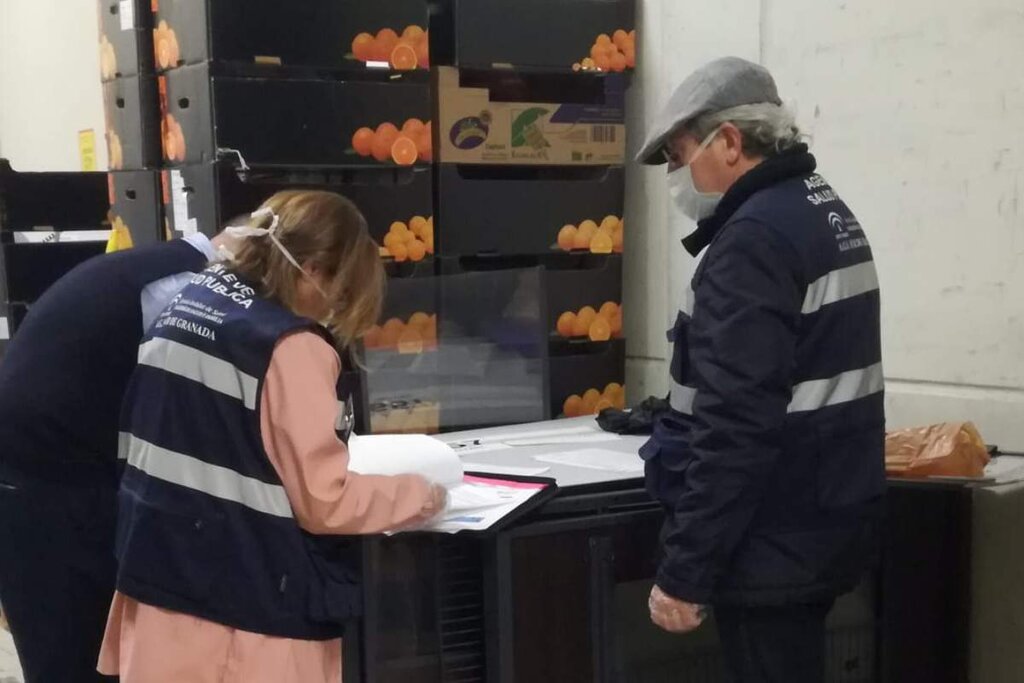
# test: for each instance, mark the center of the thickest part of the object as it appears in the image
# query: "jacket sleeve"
(742, 341)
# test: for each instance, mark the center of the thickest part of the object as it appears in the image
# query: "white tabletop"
(565, 475)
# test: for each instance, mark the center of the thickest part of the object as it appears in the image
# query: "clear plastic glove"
(434, 507)
(674, 615)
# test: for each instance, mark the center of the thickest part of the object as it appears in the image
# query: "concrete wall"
(914, 113)
(49, 83)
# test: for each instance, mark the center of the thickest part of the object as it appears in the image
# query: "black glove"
(639, 420)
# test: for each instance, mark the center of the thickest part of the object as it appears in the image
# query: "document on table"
(597, 459)
(474, 503)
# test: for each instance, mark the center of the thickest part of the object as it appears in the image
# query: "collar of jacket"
(791, 163)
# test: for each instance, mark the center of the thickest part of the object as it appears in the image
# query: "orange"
(403, 151)
(413, 33)
(584, 319)
(371, 339)
(417, 250)
(567, 237)
(410, 341)
(362, 47)
(424, 143)
(566, 324)
(618, 62)
(603, 40)
(620, 38)
(588, 226)
(600, 330)
(403, 57)
(595, 52)
(612, 388)
(390, 333)
(400, 251)
(604, 404)
(608, 309)
(630, 54)
(383, 141)
(418, 225)
(399, 228)
(581, 241)
(573, 406)
(387, 39)
(413, 127)
(610, 222)
(362, 141)
(603, 243)
(620, 400)
(603, 62)
(429, 242)
(423, 54)
(590, 399)
(419, 319)
(617, 243)
(616, 324)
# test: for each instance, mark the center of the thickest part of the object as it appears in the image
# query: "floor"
(10, 670)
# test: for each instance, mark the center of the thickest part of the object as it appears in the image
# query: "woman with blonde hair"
(235, 479)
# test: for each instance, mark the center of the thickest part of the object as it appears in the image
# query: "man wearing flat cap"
(770, 463)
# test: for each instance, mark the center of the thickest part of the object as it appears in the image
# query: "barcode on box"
(603, 134)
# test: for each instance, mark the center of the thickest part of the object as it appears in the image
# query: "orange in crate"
(590, 399)
(403, 151)
(600, 330)
(362, 141)
(573, 406)
(403, 57)
(567, 237)
(615, 53)
(566, 324)
(602, 243)
(363, 46)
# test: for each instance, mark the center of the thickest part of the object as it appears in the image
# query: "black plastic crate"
(305, 121)
(132, 111)
(29, 201)
(543, 34)
(126, 38)
(594, 282)
(30, 268)
(512, 210)
(312, 33)
(204, 197)
(589, 367)
(135, 199)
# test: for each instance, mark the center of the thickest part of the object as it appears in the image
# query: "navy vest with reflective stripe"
(204, 526)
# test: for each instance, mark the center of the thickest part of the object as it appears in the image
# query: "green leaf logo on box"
(526, 133)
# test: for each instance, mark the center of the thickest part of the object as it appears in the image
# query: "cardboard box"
(27, 200)
(547, 34)
(131, 107)
(504, 117)
(589, 367)
(311, 33)
(293, 122)
(135, 199)
(126, 38)
(515, 210)
(205, 197)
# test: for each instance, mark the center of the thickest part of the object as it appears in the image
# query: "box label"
(179, 205)
(87, 149)
(126, 10)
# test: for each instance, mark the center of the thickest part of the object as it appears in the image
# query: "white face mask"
(688, 199)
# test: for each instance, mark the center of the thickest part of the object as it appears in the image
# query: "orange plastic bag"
(950, 449)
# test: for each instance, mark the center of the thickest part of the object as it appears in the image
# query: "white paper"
(126, 10)
(574, 439)
(476, 506)
(596, 459)
(503, 469)
(392, 454)
(5, 330)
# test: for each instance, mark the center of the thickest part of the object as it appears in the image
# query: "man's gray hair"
(768, 129)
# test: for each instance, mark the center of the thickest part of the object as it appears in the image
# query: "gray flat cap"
(718, 85)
